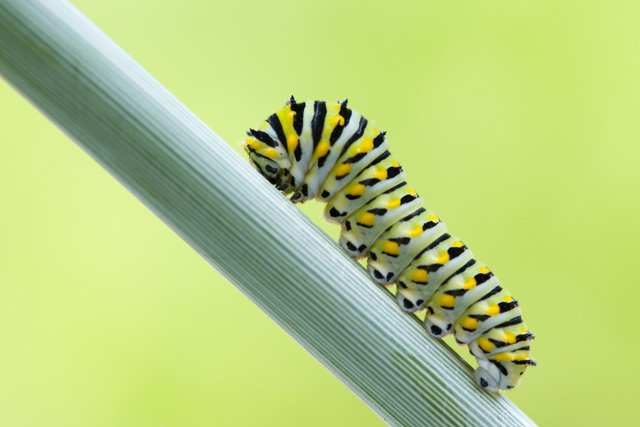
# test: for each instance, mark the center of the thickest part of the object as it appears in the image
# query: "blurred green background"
(516, 121)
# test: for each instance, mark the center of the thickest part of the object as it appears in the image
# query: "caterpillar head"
(269, 158)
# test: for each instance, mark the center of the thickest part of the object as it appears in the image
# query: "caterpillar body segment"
(363, 227)
(399, 245)
(364, 188)
(329, 152)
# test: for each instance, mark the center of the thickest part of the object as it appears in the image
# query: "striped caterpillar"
(329, 152)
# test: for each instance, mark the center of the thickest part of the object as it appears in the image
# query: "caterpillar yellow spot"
(420, 276)
(395, 164)
(458, 245)
(343, 170)
(493, 310)
(470, 323)
(507, 298)
(381, 174)
(322, 149)
(253, 143)
(271, 153)
(367, 218)
(391, 248)
(366, 146)
(292, 142)
(486, 345)
(509, 337)
(337, 120)
(286, 117)
(484, 270)
(470, 283)
(433, 218)
(503, 356)
(393, 204)
(409, 190)
(416, 231)
(448, 301)
(443, 258)
(357, 190)
(523, 331)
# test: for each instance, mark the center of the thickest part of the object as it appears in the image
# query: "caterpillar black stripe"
(329, 152)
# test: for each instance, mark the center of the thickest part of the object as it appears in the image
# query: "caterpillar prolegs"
(329, 152)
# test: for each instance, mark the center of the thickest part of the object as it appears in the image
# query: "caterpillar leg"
(488, 376)
(411, 300)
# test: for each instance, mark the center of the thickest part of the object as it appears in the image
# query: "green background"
(516, 121)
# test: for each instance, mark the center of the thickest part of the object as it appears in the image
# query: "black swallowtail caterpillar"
(327, 151)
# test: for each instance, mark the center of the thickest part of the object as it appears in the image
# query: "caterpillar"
(329, 152)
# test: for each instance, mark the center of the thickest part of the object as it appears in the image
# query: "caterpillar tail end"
(490, 377)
